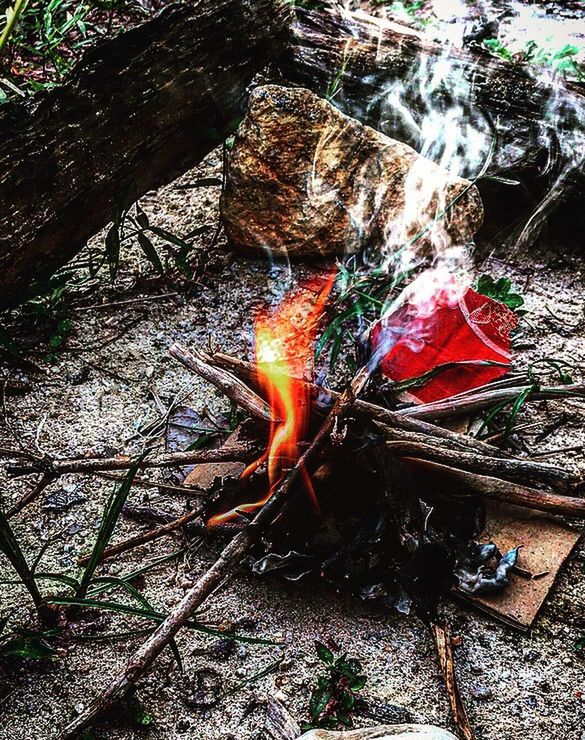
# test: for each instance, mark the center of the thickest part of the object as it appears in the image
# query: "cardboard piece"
(546, 544)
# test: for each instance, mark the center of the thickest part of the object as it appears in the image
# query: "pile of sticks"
(472, 464)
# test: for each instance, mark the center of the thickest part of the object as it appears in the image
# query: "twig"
(186, 490)
(33, 494)
(505, 491)
(422, 446)
(225, 381)
(141, 299)
(486, 398)
(444, 645)
(139, 663)
(96, 464)
(399, 427)
(141, 539)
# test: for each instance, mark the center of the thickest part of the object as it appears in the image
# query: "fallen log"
(136, 112)
(391, 77)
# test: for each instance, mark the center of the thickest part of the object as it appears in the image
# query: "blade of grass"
(11, 549)
(143, 601)
(12, 16)
(109, 519)
(155, 617)
(260, 674)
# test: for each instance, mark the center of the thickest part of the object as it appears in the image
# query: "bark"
(136, 112)
(370, 66)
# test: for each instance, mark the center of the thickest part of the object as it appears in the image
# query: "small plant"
(333, 700)
(563, 61)
(500, 290)
(25, 643)
(10, 547)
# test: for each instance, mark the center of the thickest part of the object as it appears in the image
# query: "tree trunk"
(394, 79)
(136, 111)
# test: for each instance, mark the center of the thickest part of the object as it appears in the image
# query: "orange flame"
(284, 350)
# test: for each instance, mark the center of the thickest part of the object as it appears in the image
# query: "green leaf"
(137, 712)
(323, 653)
(149, 250)
(31, 644)
(516, 408)
(513, 301)
(358, 683)
(318, 702)
(171, 238)
(141, 217)
(11, 549)
(155, 616)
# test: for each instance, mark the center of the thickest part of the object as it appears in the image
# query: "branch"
(494, 488)
(395, 425)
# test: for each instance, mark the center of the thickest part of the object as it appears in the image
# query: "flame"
(284, 344)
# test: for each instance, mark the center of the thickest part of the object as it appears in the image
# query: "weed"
(500, 290)
(333, 699)
(109, 518)
(563, 61)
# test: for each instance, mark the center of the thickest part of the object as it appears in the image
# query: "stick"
(396, 419)
(225, 381)
(162, 485)
(444, 645)
(506, 491)
(422, 446)
(397, 426)
(143, 658)
(97, 464)
(148, 536)
(33, 494)
(476, 402)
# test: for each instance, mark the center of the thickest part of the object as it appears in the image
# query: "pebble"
(481, 693)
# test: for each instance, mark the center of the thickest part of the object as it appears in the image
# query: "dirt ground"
(98, 396)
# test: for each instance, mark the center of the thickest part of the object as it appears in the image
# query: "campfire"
(361, 452)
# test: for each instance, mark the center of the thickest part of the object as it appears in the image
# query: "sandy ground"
(96, 398)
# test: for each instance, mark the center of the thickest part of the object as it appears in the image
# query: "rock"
(63, 499)
(305, 180)
(481, 693)
(383, 732)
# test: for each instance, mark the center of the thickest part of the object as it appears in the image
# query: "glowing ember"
(284, 344)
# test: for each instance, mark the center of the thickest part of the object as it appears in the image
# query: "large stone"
(383, 732)
(305, 180)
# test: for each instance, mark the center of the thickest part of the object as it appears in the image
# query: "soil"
(98, 396)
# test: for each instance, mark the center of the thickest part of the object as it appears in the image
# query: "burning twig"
(139, 663)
